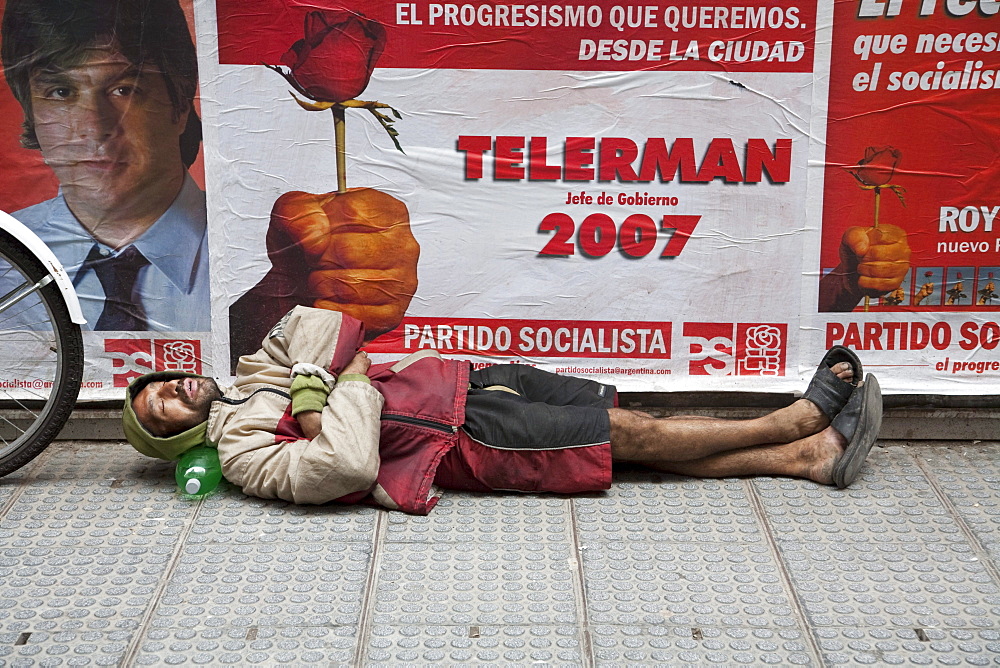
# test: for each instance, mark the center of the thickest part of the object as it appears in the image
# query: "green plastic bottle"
(198, 471)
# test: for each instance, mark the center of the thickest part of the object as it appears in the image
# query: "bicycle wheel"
(41, 357)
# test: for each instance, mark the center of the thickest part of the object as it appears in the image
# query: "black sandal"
(859, 423)
(829, 393)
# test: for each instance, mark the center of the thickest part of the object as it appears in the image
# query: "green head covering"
(165, 447)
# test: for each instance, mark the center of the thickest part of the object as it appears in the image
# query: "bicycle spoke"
(18, 316)
(35, 397)
(17, 429)
(22, 291)
(41, 357)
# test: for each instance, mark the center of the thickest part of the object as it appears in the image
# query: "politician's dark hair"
(55, 34)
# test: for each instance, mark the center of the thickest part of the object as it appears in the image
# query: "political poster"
(607, 189)
(100, 142)
(910, 206)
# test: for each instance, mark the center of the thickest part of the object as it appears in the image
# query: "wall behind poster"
(645, 193)
(113, 357)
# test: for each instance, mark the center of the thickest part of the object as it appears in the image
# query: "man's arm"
(312, 421)
(342, 459)
(340, 455)
(325, 338)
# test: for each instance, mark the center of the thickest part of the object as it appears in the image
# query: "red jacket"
(424, 407)
(381, 440)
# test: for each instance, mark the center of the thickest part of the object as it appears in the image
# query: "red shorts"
(552, 436)
(474, 467)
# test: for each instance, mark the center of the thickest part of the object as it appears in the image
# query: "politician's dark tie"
(123, 309)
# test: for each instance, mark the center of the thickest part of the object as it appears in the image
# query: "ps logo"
(741, 349)
(131, 358)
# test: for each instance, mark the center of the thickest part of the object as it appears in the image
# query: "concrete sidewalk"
(102, 563)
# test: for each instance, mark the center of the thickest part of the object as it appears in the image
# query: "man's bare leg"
(812, 457)
(638, 437)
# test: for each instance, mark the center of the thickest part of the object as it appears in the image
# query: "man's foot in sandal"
(858, 423)
(828, 392)
(831, 389)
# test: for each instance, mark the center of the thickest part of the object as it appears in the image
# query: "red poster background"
(26, 179)
(949, 139)
(255, 31)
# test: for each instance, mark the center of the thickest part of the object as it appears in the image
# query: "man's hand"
(359, 364)
(878, 256)
(351, 252)
(311, 423)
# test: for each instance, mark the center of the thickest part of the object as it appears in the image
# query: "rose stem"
(340, 136)
(878, 197)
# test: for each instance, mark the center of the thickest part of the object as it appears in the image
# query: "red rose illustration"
(334, 62)
(878, 166)
(332, 65)
(349, 250)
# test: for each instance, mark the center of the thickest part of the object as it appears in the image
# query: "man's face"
(108, 131)
(169, 407)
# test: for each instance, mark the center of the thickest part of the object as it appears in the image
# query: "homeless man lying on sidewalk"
(311, 420)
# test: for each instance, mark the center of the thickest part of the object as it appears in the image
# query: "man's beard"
(208, 391)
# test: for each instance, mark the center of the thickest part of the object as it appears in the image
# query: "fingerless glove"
(308, 394)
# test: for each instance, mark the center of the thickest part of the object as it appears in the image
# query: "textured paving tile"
(474, 645)
(648, 506)
(893, 585)
(483, 580)
(87, 461)
(921, 647)
(690, 585)
(486, 518)
(232, 517)
(12, 483)
(83, 497)
(73, 589)
(96, 515)
(513, 584)
(896, 506)
(686, 646)
(969, 477)
(103, 563)
(270, 585)
(42, 648)
(240, 646)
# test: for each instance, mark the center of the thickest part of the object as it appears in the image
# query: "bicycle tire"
(36, 401)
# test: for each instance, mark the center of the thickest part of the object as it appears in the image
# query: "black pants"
(549, 411)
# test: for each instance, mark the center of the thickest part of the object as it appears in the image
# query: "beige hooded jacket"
(269, 461)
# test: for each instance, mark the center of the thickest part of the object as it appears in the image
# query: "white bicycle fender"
(19, 231)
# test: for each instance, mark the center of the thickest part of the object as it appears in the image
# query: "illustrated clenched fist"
(987, 294)
(351, 252)
(894, 298)
(878, 258)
